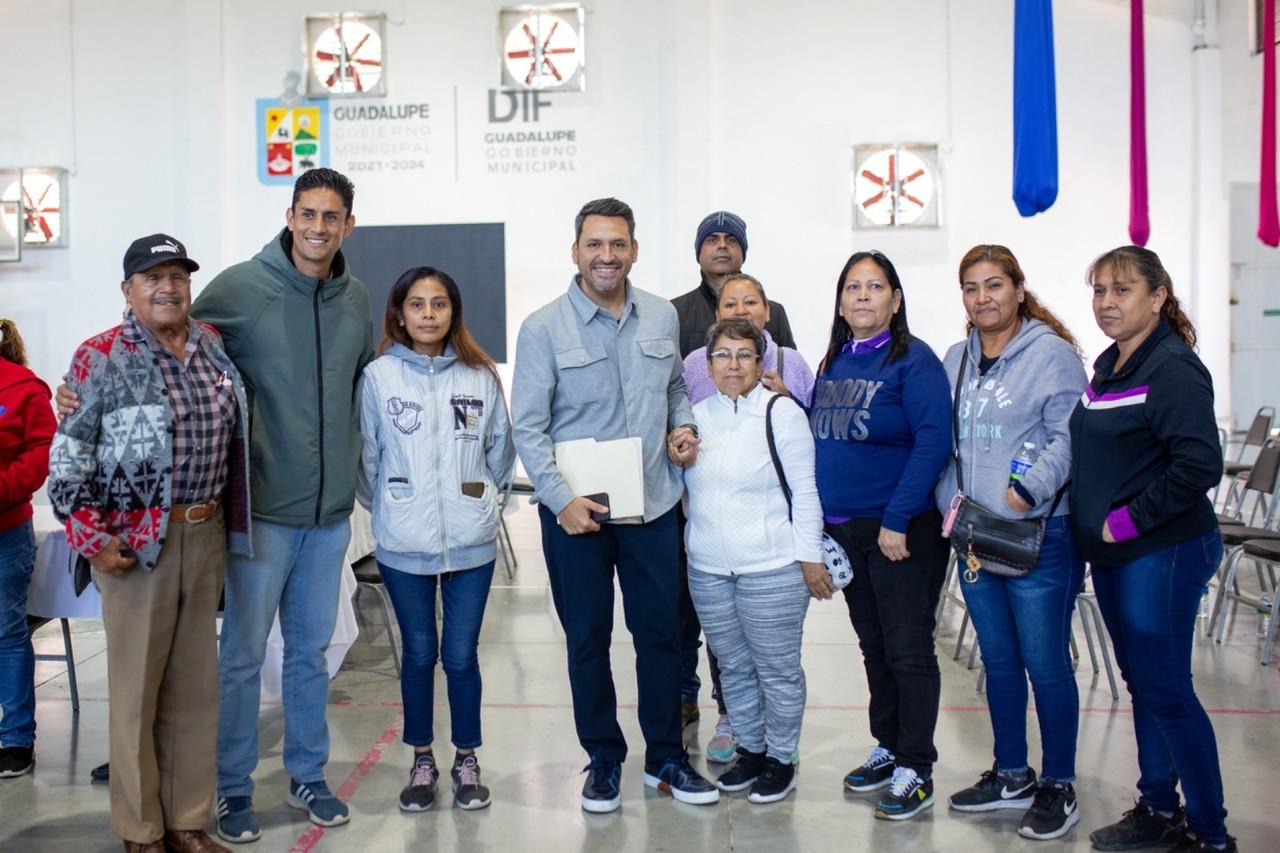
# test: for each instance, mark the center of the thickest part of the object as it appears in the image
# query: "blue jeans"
(17, 662)
(299, 571)
(1150, 606)
(1024, 629)
(465, 594)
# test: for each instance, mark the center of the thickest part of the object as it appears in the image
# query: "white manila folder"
(615, 467)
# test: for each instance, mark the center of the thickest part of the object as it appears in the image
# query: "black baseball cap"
(153, 250)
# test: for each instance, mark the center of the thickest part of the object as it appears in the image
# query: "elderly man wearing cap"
(720, 247)
(150, 475)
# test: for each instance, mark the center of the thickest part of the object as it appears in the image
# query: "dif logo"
(527, 104)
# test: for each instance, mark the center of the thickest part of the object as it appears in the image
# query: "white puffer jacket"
(737, 509)
(429, 425)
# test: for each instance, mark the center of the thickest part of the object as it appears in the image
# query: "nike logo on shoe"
(1006, 794)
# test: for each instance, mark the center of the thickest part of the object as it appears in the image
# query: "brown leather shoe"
(191, 841)
(143, 847)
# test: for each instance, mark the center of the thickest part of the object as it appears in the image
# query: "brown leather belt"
(193, 513)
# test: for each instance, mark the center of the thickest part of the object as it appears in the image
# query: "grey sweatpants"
(753, 623)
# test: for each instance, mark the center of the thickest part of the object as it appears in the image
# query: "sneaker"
(775, 782)
(16, 761)
(468, 793)
(101, 774)
(1140, 827)
(236, 820)
(1190, 844)
(996, 790)
(689, 713)
(420, 793)
(681, 781)
(1053, 812)
(875, 772)
(723, 745)
(321, 806)
(743, 773)
(908, 795)
(602, 791)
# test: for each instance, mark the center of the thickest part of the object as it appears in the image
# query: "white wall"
(747, 105)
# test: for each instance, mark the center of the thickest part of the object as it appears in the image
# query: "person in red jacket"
(26, 428)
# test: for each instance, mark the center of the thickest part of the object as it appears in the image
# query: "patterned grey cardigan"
(111, 463)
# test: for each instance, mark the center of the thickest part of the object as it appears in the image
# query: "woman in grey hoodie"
(1022, 376)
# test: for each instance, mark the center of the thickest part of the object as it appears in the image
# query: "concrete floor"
(532, 761)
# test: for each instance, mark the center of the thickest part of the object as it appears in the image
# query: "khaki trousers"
(162, 680)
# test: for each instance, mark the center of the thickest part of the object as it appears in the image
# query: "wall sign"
(543, 47)
(291, 139)
(43, 194)
(346, 54)
(895, 186)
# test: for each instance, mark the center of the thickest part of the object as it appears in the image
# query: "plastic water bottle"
(1264, 615)
(1203, 612)
(1022, 463)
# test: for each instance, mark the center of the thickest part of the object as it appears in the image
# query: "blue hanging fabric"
(1035, 108)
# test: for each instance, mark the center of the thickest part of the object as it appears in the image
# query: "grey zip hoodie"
(1027, 395)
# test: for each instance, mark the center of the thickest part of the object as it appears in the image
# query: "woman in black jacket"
(1147, 453)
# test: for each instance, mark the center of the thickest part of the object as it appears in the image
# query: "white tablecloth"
(52, 594)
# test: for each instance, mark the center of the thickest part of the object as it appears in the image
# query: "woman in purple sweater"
(743, 296)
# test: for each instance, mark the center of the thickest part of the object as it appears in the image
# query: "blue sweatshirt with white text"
(882, 434)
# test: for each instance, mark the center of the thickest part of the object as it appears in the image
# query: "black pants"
(891, 605)
(581, 572)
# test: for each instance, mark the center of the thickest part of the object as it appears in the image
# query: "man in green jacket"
(297, 325)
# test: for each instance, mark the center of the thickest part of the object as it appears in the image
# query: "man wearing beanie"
(720, 247)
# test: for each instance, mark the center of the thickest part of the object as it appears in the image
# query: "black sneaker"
(602, 792)
(908, 796)
(875, 772)
(1191, 844)
(996, 790)
(775, 782)
(1140, 827)
(420, 793)
(468, 793)
(678, 778)
(16, 761)
(1052, 814)
(743, 773)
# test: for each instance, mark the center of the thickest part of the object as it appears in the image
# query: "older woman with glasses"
(751, 581)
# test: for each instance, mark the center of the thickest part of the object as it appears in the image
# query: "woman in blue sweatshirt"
(881, 421)
(1022, 377)
(1147, 454)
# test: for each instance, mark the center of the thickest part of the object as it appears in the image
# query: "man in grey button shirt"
(601, 362)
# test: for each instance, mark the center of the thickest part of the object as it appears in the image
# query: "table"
(51, 594)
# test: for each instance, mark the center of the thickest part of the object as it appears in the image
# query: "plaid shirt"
(204, 414)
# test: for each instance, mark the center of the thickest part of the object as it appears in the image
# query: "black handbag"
(982, 539)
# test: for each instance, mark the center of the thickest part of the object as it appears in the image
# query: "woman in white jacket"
(437, 449)
(754, 555)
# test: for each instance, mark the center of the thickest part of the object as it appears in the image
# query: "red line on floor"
(951, 709)
(309, 839)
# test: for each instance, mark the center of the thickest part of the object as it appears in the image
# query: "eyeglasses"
(723, 356)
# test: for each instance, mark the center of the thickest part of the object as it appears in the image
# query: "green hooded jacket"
(300, 343)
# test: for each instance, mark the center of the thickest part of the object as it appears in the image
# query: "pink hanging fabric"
(1268, 220)
(1139, 224)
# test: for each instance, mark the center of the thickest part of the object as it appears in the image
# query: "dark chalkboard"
(474, 254)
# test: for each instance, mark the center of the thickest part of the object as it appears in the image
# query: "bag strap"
(955, 419)
(778, 366)
(773, 450)
(955, 436)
